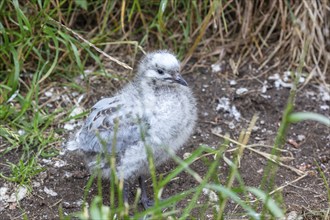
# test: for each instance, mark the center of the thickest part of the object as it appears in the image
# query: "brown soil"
(306, 196)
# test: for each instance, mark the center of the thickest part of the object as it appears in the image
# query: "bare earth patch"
(226, 104)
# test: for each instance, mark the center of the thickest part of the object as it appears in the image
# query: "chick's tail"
(73, 143)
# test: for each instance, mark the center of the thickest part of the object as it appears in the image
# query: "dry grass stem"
(268, 156)
(92, 45)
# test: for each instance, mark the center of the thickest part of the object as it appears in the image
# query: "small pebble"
(301, 137)
(241, 91)
(48, 94)
(18, 195)
(59, 163)
(215, 68)
(217, 130)
(186, 155)
(231, 125)
(324, 107)
(50, 192)
(69, 127)
(21, 132)
(232, 82)
(213, 197)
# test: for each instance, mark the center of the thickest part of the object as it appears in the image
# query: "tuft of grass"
(44, 42)
(165, 208)
(23, 172)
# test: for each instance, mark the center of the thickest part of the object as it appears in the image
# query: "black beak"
(180, 80)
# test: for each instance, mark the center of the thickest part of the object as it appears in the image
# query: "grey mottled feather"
(108, 115)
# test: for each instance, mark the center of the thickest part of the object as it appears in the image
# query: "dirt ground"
(226, 103)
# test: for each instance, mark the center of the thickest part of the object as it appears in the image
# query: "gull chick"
(156, 110)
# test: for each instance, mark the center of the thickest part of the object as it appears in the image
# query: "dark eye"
(160, 71)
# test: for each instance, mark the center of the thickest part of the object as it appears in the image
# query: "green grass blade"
(269, 202)
(183, 166)
(161, 11)
(231, 194)
(302, 116)
(14, 76)
(50, 70)
(82, 4)
(77, 56)
(4, 35)
(23, 21)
